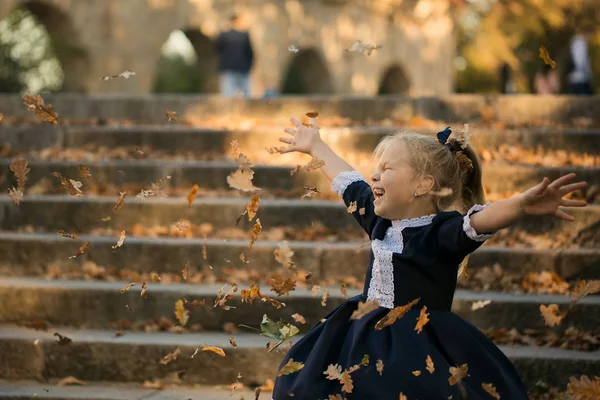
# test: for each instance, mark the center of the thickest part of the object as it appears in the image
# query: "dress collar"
(413, 222)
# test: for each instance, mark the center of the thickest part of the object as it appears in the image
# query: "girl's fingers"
(286, 140)
(561, 181)
(541, 187)
(291, 131)
(573, 203)
(296, 123)
(572, 187)
(563, 215)
(288, 149)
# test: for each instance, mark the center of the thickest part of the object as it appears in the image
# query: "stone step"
(33, 390)
(213, 174)
(68, 303)
(33, 254)
(359, 139)
(100, 356)
(82, 214)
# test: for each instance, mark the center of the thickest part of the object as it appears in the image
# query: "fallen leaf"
(314, 164)
(36, 105)
(156, 278)
(127, 287)
(299, 318)
(352, 207)
(192, 194)
(143, 294)
(417, 373)
(324, 298)
(364, 308)
(282, 286)
(365, 360)
(290, 367)
(171, 115)
(85, 172)
(20, 170)
(362, 211)
(62, 340)
(120, 241)
(252, 207)
(127, 306)
(214, 349)
(81, 250)
(181, 313)
(545, 56)
(429, 364)
(251, 294)
(204, 255)
(488, 387)
(584, 289)
(233, 342)
(170, 357)
(584, 388)
(277, 330)
(70, 380)
(333, 372)
(394, 314)
(477, 305)
(256, 230)
(67, 235)
(126, 74)
(107, 218)
(551, 314)
(379, 367)
(16, 195)
(402, 397)
(422, 320)
(457, 374)
(346, 381)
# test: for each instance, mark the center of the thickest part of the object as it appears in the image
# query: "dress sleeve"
(457, 238)
(351, 186)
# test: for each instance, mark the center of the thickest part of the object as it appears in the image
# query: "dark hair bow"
(443, 138)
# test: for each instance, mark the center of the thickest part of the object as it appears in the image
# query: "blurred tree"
(175, 75)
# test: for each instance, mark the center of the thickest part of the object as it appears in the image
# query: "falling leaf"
(333, 372)
(256, 230)
(290, 367)
(213, 349)
(129, 307)
(155, 278)
(81, 250)
(251, 294)
(352, 207)
(394, 314)
(67, 235)
(293, 49)
(120, 241)
(120, 201)
(379, 367)
(126, 74)
(477, 305)
(36, 105)
(277, 330)
(344, 291)
(367, 48)
(127, 287)
(1, 116)
(488, 387)
(252, 207)
(144, 194)
(72, 186)
(282, 286)
(299, 318)
(107, 218)
(417, 373)
(242, 180)
(316, 289)
(62, 340)
(584, 388)
(195, 352)
(20, 170)
(312, 191)
(429, 364)
(204, 255)
(314, 164)
(143, 294)
(324, 298)
(70, 380)
(551, 314)
(312, 114)
(192, 194)
(181, 313)
(364, 308)
(361, 211)
(170, 357)
(233, 342)
(545, 56)
(402, 396)
(444, 192)
(85, 172)
(283, 254)
(171, 115)
(16, 195)
(584, 289)
(457, 374)
(422, 320)
(185, 271)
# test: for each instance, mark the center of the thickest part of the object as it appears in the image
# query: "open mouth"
(378, 193)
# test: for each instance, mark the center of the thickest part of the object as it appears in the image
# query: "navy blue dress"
(413, 258)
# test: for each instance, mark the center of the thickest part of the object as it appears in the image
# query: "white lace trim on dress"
(469, 230)
(343, 180)
(381, 285)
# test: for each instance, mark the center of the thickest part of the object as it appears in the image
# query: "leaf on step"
(204, 255)
(81, 250)
(155, 277)
(67, 235)
(429, 364)
(457, 374)
(584, 388)
(120, 241)
(120, 201)
(170, 357)
(299, 318)
(284, 253)
(70, 380)
(171, 115)
(85, 172)
(290, 367)
(477, 305)
(181, 313)
(233, 342)
(20, 170)
(314, 164)
(394, 314)
(214, 349)
(312, 191)
(143, 293)
(364, 308)
(72, 186)
(36, 105)
(192, 194)
(127, 287)
(16, 195)
(256, 230)
(584, 289)
(242, 180)
(352, 207)
(324, 298)
(379, 367)
(488, 387)
(422, 320)
(545, 56)
(551, 314)
(62, 340)
(185, 272)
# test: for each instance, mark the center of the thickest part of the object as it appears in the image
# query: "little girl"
(416, 250)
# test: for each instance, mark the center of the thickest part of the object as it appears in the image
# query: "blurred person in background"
(579, 69)
(546, 81)
(235, 58)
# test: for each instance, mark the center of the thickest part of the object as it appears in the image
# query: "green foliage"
(175, 75)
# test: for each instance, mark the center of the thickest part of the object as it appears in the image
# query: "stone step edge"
(211, 290)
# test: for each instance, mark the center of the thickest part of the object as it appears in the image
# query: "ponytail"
(472, 189)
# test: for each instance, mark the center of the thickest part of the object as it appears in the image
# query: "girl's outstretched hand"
(303, 137)
(546, 198)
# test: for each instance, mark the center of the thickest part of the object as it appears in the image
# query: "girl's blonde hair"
(458, 170)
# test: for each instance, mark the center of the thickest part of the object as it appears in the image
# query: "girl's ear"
(425, 185)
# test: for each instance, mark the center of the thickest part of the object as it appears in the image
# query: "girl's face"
(393, 182)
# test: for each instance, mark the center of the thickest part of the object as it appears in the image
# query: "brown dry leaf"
(275, 149)
(251, 294)
(282, 286)
(242, 180)
(81, 250)
(551, 314)
(352, 207)
(545, 56)
(402, 396)
(233, 342)
(429, 364)
(584, 388)
(143, 294)
(256, 230)
(214, 349)
(324, 298)
(16, 195)
(144, 194)
(584, 289)
(316, 289)
(346, 381)
(36, 105)
(312, 191)
(171, 115)
(488, 387)
(362, 211)
(290, 367)
(299, 318)
(62, 340)
(343, 291)
(192, 194)
(394, 314)
(181, 313)
(379, 367)
(457, 374)
(314, 164)
(336, 397)
(364, 308)
(283, 254)
(422, 320)
(19, 168)
(156, 278)
(120, 201)
(333, 372)
(120, 241)
(72, 186)
(312, 114)
(417, 372)
(204, 255)
(85, 172)
(127, 287)
(477, 305)
(185, 272)
(170, 357)
(252, 207)
(70, 380)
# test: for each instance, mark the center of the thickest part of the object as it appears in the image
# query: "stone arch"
(200, 70)
(65, 42)
(307, 73)
(394, 81)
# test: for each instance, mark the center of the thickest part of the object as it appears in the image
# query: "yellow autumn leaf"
(290, 367)
(214, 349)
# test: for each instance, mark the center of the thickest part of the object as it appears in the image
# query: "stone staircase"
(80, 297)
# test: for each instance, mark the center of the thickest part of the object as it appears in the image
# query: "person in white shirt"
(580, 75)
